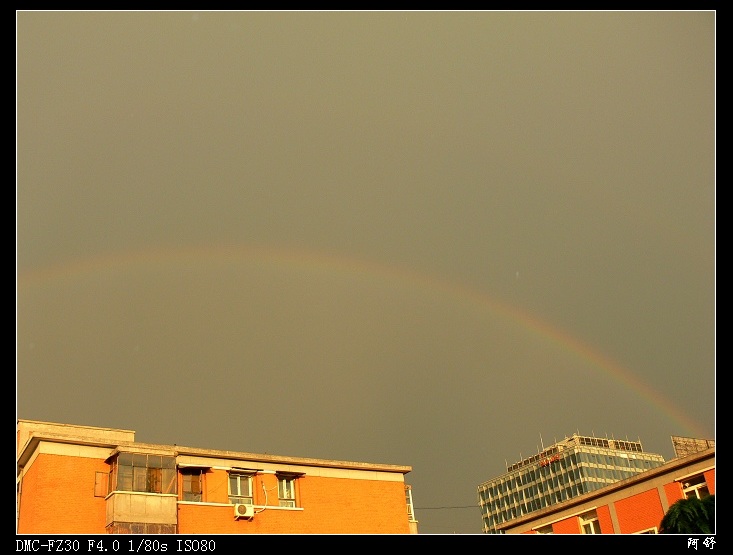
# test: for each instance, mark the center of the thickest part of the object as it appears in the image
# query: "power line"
(454, 507)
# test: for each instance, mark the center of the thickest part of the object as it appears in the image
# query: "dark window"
(192, 484)
(695, 486)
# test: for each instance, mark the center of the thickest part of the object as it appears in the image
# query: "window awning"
(289, 473)
(245, 470)
(189, 465)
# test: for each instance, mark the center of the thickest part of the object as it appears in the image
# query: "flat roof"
(110, 438)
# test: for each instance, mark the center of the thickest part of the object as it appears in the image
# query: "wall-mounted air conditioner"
(242, 510)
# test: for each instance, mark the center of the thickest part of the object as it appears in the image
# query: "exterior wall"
(710, 480)
(673, 492)
(325, 506)
(362, 506)
(639, 512)
(604, 520)
(58, 496)
(60, 491)
(567, 526)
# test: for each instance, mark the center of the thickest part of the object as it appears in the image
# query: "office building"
(574, 466)
(635, 505)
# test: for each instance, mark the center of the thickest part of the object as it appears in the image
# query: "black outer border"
(228, 543)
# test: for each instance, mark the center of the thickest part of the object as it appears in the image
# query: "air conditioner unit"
(242, 510)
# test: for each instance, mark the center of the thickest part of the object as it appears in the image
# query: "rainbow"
(338, 264)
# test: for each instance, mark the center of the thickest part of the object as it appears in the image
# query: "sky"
(436, 239)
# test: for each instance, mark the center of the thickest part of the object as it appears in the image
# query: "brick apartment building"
(111, 484)
(635, 505)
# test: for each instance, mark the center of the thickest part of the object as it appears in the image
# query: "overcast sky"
(436, 239)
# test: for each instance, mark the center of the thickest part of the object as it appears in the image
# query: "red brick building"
(632, 506)
(111, 484)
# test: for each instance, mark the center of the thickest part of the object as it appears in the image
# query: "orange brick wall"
(639, 512)
(357, 505)
(58, 496)
(216, 487)
(673, 491)
(329, 506)
(567, 526)
(710, 479)
(604, 520)
(571, 525)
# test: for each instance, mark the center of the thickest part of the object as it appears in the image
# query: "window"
(547, 529)
(142, 472)
(695, 486)
(240, 488)
(192, 484)
(589, 523)
(286, 490)
(408, 500)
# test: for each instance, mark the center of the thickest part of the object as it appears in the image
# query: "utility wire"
(454, 507)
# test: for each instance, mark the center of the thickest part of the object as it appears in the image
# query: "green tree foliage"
(690, 516)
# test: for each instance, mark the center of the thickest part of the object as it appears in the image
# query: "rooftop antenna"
(541, 443)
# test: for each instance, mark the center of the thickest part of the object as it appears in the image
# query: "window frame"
(652, 530)
(188, 484)
(695, 486)
(589, 523)
(286, 489)
(238, 498)
(410, 506)
(545, 529)
(143, 473)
